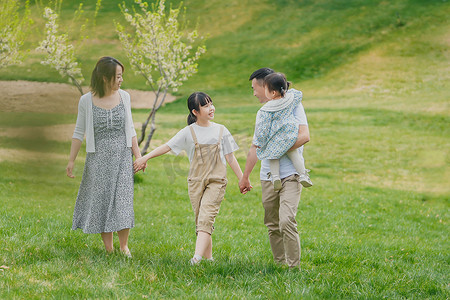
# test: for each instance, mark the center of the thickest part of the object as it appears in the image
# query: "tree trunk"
(151, 117)
(149, 138)
(144, 127)
(76, 84)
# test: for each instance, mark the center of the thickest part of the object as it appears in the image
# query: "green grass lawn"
(361, 237)
(375, 223)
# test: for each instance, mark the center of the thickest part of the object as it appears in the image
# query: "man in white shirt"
(280, 208)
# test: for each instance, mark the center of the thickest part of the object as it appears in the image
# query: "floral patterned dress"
(276, 131)
(105, 198)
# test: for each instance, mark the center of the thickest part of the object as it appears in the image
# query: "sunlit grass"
(362, 235)
(374, 225)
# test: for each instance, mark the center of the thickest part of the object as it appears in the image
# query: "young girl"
(277, 130)
(209, 146)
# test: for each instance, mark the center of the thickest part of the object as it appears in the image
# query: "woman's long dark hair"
(104, 69)
(195, 101)
(277, 82)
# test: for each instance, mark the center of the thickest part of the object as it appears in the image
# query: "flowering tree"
(60, 52)
(160, 51)
(12, 31)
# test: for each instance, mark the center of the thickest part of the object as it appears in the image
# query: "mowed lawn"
(374, 225)
(364, 233)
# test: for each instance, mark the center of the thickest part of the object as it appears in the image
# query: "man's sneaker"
(305, 180)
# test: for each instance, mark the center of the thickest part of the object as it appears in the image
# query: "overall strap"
(194, 137)
(220, 134)
(197, 146)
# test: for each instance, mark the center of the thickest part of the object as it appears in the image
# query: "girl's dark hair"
(105, 69)
(277, 82)
(195, 101)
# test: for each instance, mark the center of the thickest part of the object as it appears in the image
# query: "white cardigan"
(85, 122)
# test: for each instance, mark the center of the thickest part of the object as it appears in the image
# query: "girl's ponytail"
(191, 119)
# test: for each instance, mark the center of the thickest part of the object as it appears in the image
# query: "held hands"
(140, 164)
(245, 185)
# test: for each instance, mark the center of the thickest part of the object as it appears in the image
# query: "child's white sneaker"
(305, 180)
(195, 260)
(276, 183)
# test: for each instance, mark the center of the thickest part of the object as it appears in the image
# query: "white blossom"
(12, 32)
(159, 50)
(60, 53)
(159, 45)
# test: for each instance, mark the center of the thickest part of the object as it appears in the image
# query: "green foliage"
(374, 76)
(14, 23)
(313, 38)
(160, 50)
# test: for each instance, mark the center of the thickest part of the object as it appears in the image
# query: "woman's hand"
(69, 169)
(139, 164)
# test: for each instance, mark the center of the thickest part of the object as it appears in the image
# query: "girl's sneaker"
(305, 180)
(195, 260)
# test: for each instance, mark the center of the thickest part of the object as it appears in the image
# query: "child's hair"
(104, 69)
(195, 101)
(277, 82)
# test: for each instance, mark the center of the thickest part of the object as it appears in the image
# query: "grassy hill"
(375, 80)
(304, 39)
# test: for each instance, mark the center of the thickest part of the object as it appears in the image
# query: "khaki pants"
(206, 197)
(280, 210)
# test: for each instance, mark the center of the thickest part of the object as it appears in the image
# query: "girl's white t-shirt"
(205, 135)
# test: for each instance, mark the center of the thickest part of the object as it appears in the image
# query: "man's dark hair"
(261, 73)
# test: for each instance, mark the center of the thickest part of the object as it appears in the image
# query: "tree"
(12, 31)
(60, 52)
(160, 51)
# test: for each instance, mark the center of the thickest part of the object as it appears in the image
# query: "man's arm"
(252, 159)
(302, 138)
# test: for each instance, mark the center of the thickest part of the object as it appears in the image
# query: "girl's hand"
(139, 164)
(69, 169)
(244, 185)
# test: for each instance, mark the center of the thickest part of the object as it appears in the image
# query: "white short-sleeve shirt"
(286, 167)
(205, 135)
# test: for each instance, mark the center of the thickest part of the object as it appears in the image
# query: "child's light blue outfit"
(276, 129)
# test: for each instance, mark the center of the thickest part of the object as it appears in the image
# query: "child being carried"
(277, 130)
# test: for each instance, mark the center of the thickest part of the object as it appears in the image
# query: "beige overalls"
(207, 181)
